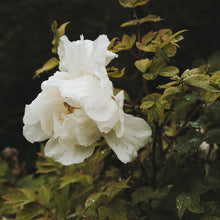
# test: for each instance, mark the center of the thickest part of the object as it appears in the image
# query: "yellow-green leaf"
(210, 96)
(141, 2)
(148, 37)
(215, 79)
(133, 3)
(128, 40)
(20, 196)
(73, 178)
(150, 76)
(143, 64)
(148, 48)
(58, 32)
(152, 97)
(148, 18)
(167, 85)
(147, 104)
(115, 72)
(198, 80)
(50, 64)
(171, 38)
(126, 44)
(170, 50)
(169, 95)
(169, 71)
(44, 196)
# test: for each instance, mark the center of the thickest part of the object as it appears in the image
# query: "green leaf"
(30, 211)
(113, 188)
(169, 71)
(50, 64)
(143, 64)
(93, 199)
(188, 201)
(148, 194)
(214, 61)
(44, 196)
(73, 178)
(30, 182)
(148, 18)
(115, 72)
(212, 136)
(114, 210)
(212, 113)
(20, 196)
(46, 169)
(141, 194)
(170, 94)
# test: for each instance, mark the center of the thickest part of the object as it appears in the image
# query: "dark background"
(25, 44)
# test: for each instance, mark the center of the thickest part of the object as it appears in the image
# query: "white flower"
(204, 149)
(77, 106)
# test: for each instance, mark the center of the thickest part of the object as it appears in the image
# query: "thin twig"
(154, 182)
(132, 52)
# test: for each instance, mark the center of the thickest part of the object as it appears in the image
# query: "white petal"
(86, 129)
(136, 135)
(100, 52)
(66, 152)
(97, 102)
(34, 133)
(83, 57)
(55, 80)
(116, 122)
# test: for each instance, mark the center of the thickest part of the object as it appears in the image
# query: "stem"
(144, 84)
(138, 30)
(139, 96)
(154, 183)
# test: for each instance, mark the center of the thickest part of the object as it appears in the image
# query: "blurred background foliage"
(25, 38)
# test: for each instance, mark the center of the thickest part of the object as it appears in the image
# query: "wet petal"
(136, 135)
(86, 129)
(97, 102)
(116, 122)
(66, 152)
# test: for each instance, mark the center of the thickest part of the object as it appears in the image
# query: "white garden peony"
(77, 107)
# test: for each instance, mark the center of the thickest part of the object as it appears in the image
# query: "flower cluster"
(77, 107)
